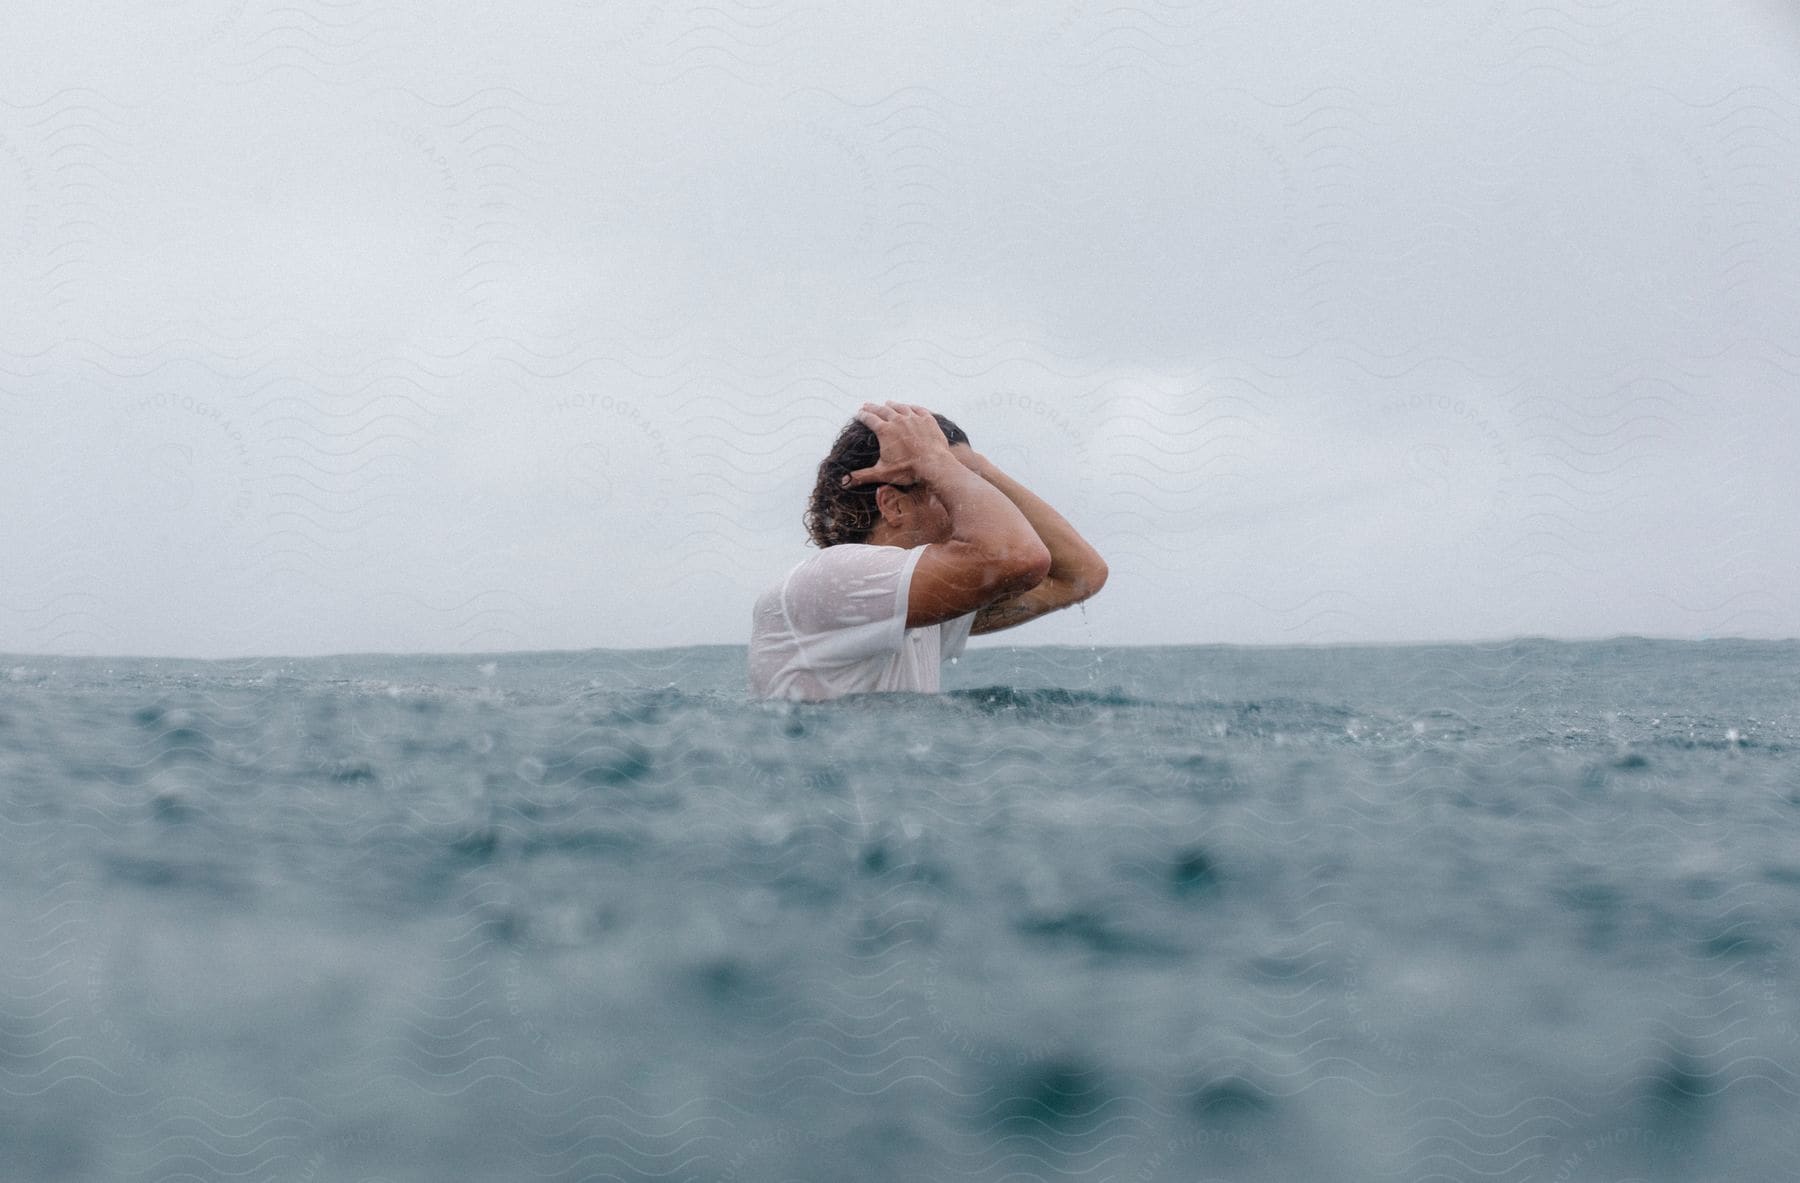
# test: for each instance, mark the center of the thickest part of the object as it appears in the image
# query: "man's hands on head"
(913, 447)
(991, 550)
(1010, 557)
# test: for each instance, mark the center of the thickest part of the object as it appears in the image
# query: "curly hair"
(835, 514)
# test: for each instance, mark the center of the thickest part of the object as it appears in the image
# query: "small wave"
(204, 876)
(1067, 1095)
(1106, 935)
(996, 700)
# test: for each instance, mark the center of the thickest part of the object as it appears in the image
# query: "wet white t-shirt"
(836, 625)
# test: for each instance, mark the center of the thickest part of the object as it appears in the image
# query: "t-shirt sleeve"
(848, 603)
(953, 635)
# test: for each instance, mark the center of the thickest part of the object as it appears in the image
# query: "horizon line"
(11, 655)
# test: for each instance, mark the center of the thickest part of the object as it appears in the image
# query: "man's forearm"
(1072, 559)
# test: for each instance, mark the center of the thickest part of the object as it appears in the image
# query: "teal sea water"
(1524, 911)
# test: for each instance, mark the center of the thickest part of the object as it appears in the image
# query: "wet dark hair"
(835, 514)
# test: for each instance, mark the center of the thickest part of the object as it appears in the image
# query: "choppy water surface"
(1515, 912)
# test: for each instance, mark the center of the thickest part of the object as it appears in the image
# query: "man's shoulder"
(849, 556)
(850, 550)
(824, 560)
(842, 585)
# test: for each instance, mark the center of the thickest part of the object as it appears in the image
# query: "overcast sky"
(454, 326)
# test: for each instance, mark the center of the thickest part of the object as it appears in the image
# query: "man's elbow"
(1026, 566)
(1088, 581)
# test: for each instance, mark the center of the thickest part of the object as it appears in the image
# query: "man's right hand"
(913, 446)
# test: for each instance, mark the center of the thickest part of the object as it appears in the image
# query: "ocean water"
(1525, 911)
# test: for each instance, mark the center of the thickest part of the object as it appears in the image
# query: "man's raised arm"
(1076, 569)
(992, 551)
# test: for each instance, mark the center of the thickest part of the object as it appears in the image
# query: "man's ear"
(887, 502)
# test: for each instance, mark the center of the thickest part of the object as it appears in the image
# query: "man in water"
(922, 541)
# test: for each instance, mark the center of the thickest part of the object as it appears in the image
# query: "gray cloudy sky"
(463, 326)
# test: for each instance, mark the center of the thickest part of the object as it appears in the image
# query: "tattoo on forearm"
(1001, 614)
